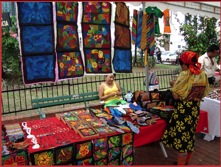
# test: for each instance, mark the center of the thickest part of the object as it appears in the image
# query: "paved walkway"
(206, 153)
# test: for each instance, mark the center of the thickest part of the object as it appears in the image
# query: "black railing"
(18, 98)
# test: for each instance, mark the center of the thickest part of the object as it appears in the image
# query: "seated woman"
(110, 89)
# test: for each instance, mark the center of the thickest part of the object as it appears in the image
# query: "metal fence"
(18, 98)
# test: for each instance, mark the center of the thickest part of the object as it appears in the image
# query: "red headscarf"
(186, 58)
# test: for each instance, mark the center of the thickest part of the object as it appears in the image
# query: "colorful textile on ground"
(96, 36)
(69, 59)
(36, 34)
(122, 60)
(134, 26)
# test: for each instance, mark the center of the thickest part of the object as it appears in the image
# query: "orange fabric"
(166, 20)
(181, 158)
(186, 58)
(107, 110)
(189, 156)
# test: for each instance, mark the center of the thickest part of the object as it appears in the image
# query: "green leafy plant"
(10, 54)
(199, 33)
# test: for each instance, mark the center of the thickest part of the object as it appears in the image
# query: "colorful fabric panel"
(122, 14)
(122, 37)
(35, 13)
(16, 158)
(96, 7)
(36, 39)
(64, 155)
(127, 138)
(98, 60)
(38, 68)
(100, 143)
(100, 154)
(67, 37)
(67, 11)
(96, 36)
(128, 161)
(44, 158)
(88, 161)
(96, 12)
(36, 34)
(114, 162)
(122, 60)
(114, 141)
(114, 153)
(127, 150)
(70, 65)
(101, 162)
(83, 150)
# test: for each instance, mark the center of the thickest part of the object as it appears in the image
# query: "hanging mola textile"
(154, 28)
(70, 63)
(166, 20)
(122, 61)
(134, 26)
(139, 28)
(97, 37)
(36, 39)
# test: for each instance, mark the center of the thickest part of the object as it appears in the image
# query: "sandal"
(141, 121)
(151, 121)
(133, 117)
(132, 127)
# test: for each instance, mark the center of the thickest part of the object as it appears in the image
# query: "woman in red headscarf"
(180, 132)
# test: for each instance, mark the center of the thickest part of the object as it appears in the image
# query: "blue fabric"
(133, 107)
(35, 12)
(39, 67)
(115, 112)
(122, 60)
(37, 39)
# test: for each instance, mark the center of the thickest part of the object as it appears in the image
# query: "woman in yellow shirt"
(110, 89)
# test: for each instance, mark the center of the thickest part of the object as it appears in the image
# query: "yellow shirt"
(108, 90)
(186, 80)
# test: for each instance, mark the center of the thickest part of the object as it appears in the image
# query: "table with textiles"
(58, 144)
(67, 147)
(153, 133)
